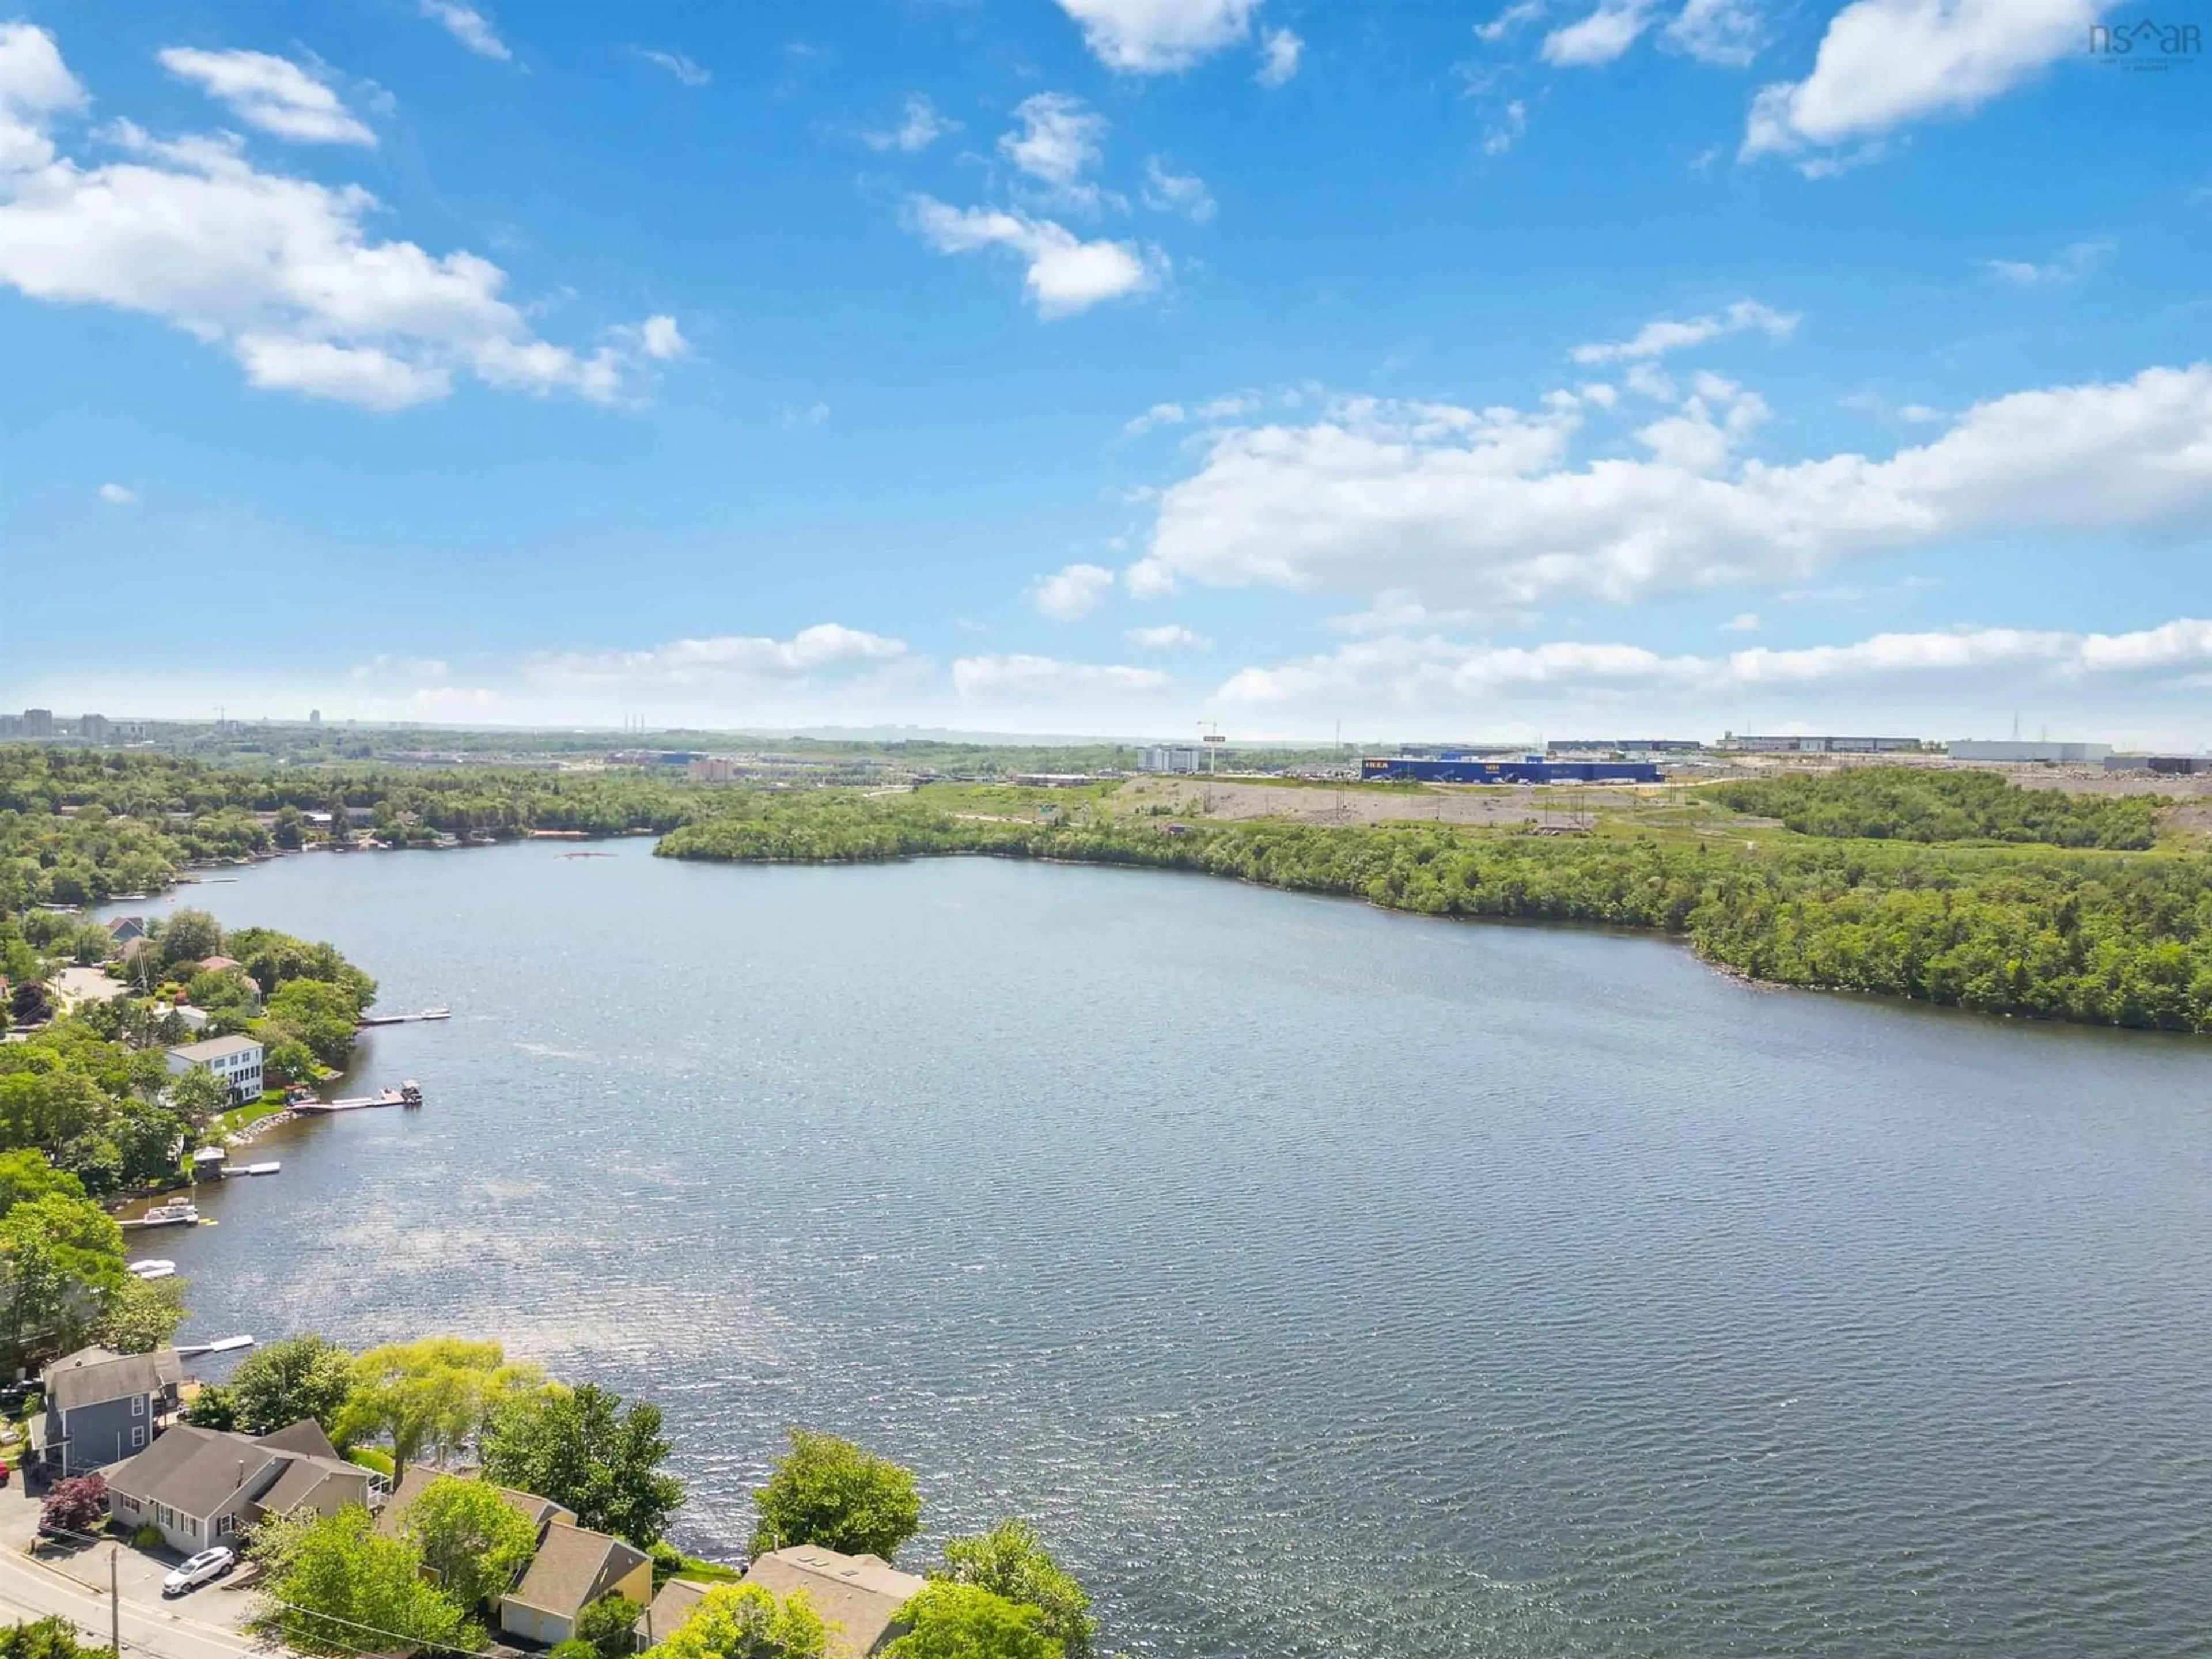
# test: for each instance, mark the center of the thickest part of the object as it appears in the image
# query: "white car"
(203, 1569)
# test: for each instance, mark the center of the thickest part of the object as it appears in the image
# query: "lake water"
(1325, 1282)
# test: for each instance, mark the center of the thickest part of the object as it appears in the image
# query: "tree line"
(1925, 804)
(2100, 938)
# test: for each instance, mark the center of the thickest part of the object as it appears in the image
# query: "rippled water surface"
(1326, 1282)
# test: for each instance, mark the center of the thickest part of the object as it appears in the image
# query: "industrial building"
(2019, 752)
(1528, 768)
(2168, 765)
(1625, 746)
(1804, 745)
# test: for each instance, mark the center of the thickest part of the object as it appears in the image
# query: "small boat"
(176, 1214)
(270, 1167)
(410, 1093)
(436, 1013)
(152, 1267)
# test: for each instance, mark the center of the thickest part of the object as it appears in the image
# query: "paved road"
(28, 1589)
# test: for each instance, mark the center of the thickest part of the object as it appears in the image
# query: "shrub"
(77, 1504)
(148, 1537)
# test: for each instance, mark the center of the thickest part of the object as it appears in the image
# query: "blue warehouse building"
(1530, 769)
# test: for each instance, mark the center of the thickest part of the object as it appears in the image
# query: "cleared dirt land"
(1486, 803)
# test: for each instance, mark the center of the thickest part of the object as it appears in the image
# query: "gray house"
(102, 1406)
(199, 1487)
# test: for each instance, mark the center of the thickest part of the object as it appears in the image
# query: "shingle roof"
(192, 1470)
(305, 1436)
(859, 1597)
(671, 1606)
(304, 1482)
(571, 1566)
(92, 1377)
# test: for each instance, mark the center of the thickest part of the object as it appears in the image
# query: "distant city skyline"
(1109, 365)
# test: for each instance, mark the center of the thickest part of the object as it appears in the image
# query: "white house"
(234, 1060)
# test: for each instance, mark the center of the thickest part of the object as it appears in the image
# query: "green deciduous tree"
(197, 1095)
(142, 1314)
(318, 1013)
(579, 1447)
(430, 1396)
(1011, 1560)
(966, 1621)
(50, 1638)
(746, 1621)
(827, 1491)
(190, 936)
(472, 1539)
(330, 1577)
(294, 1377)
(609, 1626)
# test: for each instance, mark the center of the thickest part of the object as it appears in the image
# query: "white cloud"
(386, 667)
(1656, 338)
(1885, 63)
(1422, 674)
(1064, 274)
(1159, 37)
(687, 72)
(278, 270)
(1046, 677)
(1598, 392)
(1744, 621)
(272, 94)
(1728, 32)
(1461, 506)
(918, 128)
(1601, 36)
(1279, 50)
(116, 496)
(1157, 415)
(1506, 131)
(801, 420)
(1509, 21)
(2070, 267)
(827, 649)
(1076, 590)
(1168, 637)
(468, 26)
(1177, 192)
(1058, 142)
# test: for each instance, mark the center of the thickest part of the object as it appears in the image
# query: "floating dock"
(407, 1094)
(404, 1019)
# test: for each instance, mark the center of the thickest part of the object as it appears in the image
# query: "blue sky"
(1112, 365)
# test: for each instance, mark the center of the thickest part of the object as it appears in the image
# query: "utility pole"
(114, 1603)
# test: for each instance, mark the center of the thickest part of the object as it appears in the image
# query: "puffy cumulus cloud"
(1028, 678)
(279, 270)
(1058, 140)
(1407, 672)
(1510, 20)
(1075, 590)
(1279, 51)
(116, 495)
(1480, 507)
(468, 26)
(273, 94)
(1063, 273)
(1883, 63)
(1665, 334)
(1168, 637)
(1728, 32)
(825, 650)
(1160, 37)
(1602, 35)
(920, 127)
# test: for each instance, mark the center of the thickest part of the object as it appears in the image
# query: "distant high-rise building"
(11, 726)
(38, 722)
(93, 728)
(314, 717)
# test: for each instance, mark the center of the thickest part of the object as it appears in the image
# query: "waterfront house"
(572, 1567)
(859, 1597)
(200, 1486)
(216, 964)
(234, 1060)
(672, 1604)
(123, 929)
(101, 1407)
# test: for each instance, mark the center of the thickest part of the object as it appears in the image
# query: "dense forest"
(1909, 803)
(2101, 937)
